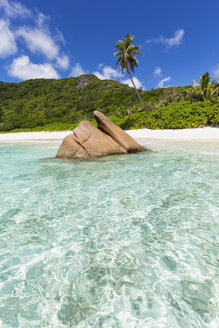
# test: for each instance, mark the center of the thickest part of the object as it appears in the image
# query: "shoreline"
(206, 134)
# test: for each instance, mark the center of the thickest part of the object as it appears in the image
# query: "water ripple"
(124, 241)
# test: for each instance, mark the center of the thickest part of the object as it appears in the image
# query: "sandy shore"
(199, 134)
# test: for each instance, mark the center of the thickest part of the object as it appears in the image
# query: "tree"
(126, 53)
(207, 88)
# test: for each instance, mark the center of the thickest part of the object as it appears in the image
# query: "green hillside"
(43, 104)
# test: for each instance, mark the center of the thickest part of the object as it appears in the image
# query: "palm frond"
(131, 48)
(118, 53)
(123, 65)
(214, 91)
(131, 66)
(118, 62)
(136, 52)
(129, 36)
(196, 85)
(215, 80)
(133, 59)
(120, 45)
(128, 39)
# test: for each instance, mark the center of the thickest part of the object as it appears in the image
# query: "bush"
(178, 115)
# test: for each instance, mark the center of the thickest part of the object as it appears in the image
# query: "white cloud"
(23, 69)
(108, 73)
(62, 62)
(138, 84)
(77, 70)
(7, 40)
(14, 9)
(216, 71)
(41, 19)
(37, 37)
(38, 41)
(100, 66)
(176, 40)
(59, 36)
(161, 83)
(158, 71)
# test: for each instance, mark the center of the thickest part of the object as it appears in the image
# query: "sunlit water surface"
(123, 241)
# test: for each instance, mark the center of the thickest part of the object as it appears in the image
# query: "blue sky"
(58, 39)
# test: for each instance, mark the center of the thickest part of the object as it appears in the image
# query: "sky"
(59, 39)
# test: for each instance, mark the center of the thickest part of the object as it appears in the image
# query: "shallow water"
(123, 241)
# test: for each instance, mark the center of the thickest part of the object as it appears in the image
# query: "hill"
(43, 104)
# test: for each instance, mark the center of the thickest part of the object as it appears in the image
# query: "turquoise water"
(123, 241)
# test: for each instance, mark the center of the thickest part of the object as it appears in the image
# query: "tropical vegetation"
(43, 104)
(207, 88)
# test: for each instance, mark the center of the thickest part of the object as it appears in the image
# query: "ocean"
(123, 241)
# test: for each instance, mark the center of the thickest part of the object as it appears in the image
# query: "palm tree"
(126, 53)
(207, 88)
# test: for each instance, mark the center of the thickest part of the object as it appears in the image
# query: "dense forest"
(44, 104)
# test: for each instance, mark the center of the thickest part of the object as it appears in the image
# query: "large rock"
(87, 141)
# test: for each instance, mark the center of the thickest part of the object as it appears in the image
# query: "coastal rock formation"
(87, 141)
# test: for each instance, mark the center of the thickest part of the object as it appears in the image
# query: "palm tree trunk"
(137, 91)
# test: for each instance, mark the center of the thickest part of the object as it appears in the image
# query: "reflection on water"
(123, 241)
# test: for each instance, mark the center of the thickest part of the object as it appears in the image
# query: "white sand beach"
(199, 134)
(196, 134)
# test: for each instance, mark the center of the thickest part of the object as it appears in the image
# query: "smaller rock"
(120, 136)
(70, 148)
(107, 86)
